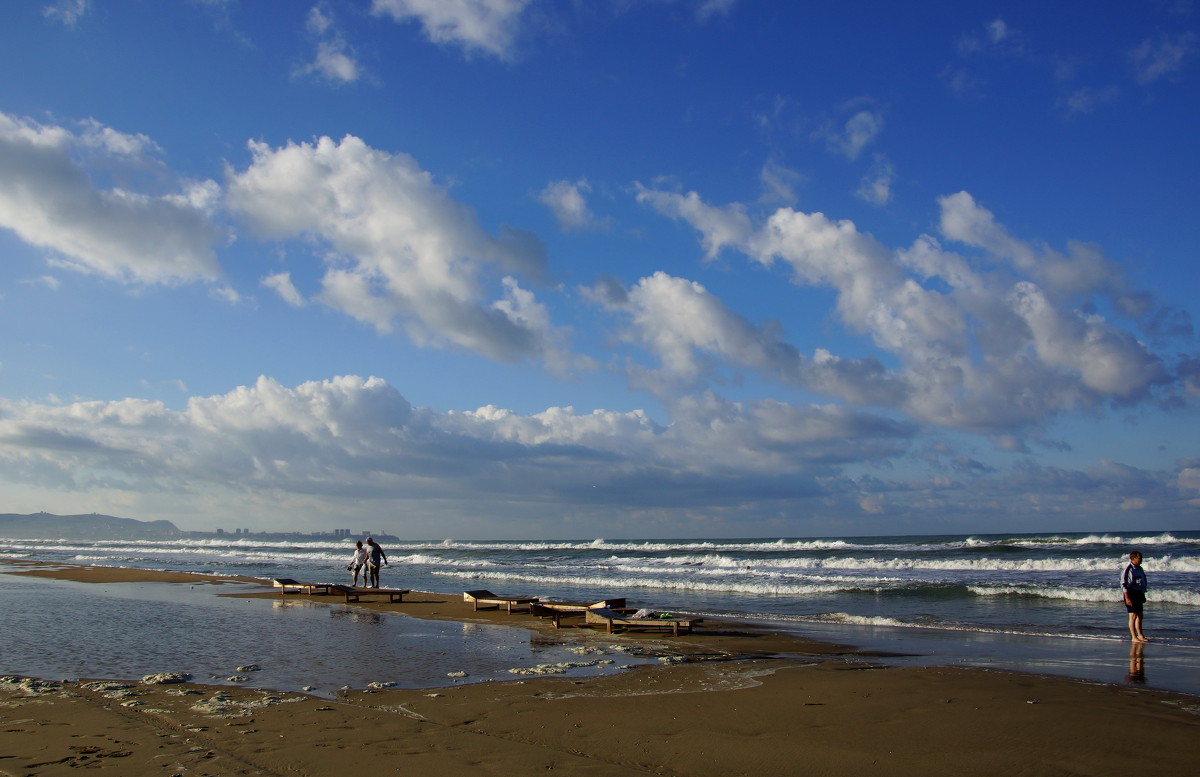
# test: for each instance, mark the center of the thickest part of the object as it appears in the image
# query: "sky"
(516, 269)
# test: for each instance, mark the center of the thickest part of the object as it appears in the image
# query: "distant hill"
(44, 526)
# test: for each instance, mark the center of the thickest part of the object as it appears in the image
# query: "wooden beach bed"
(556, 611)
(484, 599)
(354, 594)
(287, 585)
(622, 619)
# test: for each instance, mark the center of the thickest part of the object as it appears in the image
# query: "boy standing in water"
(1133, 582)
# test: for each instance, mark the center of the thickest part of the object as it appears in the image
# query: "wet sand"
(728, 700)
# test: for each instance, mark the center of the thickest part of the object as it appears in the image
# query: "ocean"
(1036, 602)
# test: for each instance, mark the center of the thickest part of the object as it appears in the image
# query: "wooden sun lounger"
(353, 593)
(287, 585)
(613, 619)
(556, 611)
(484, 599)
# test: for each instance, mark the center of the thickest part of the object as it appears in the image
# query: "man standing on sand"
(1133, 582)
(376, 556)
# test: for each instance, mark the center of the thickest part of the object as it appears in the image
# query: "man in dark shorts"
(374, 559)
(1133, 582)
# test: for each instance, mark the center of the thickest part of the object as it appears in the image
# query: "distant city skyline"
(659, 268)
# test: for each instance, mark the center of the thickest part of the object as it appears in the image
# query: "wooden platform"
(556, 611)
(355, 594)
(286, 585)
(482, 599)
(620, 619)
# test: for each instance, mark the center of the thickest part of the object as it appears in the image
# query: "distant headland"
(93, 526)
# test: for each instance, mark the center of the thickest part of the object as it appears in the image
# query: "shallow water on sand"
(59, 629)
(1164, 666)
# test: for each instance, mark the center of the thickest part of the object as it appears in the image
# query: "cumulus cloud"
(49, 198)
(567, 201)
(484, 26)
(402, 250)
(996, 344)
(719, 227)
(690, 332)
(360, 437)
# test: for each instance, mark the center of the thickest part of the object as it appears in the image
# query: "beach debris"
(28, 685)
(249, 668)
(584, 650)
(309, 688)
(381, 684)
(101, 686)
(237, 678)
(227, 706)
(459, 673)
(110, 690)
(166, 678)
(558, 668)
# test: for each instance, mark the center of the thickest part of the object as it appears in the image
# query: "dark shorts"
(1136, 600)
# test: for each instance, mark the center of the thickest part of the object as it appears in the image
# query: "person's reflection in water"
(1137, 665)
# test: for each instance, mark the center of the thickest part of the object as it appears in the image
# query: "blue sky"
(620, 268)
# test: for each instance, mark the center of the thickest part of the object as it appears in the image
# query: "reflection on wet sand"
(1137, 664)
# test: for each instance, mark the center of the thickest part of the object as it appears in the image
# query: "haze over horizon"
(630, 268)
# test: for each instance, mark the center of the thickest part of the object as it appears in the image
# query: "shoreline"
(733, 698)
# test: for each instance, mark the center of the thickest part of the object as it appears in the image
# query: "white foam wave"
(1187, 564)
(1110, 594)
(618, 583)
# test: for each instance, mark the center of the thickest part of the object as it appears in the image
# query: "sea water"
(1043, 602)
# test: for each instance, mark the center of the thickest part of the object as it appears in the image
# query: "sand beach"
(729, 699)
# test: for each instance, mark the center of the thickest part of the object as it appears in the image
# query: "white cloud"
(997, 38)
(567, 202)
(353, 436)
(1163, 56)
(355, 446)
(779, 182)
(858, 131)
(283, 286)
(1082, 270)
(711, 8)
(488, 26)
(49, 281)
(404, 252)
(876, 185)
(67, 11)
(48, 199)
(334, 60)
(687, 329)
(996, 348)
(1087, 100)
(720, 227)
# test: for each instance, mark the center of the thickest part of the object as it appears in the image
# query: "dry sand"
(730, 705)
